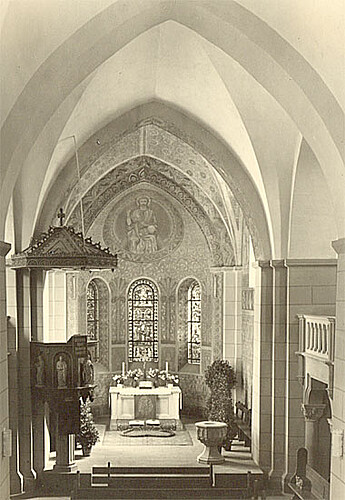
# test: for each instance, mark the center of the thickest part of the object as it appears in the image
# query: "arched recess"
(98, 316)
(317, 394)
(189, 131)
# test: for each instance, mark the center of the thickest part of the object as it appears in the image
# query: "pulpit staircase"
(165, 482)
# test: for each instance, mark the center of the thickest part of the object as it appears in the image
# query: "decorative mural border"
(108, 189)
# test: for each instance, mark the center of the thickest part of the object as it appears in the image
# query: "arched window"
(143, 321)
(92, 312)
(194, 323)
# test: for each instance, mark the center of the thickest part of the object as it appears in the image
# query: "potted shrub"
(88, 434)
(220, 378)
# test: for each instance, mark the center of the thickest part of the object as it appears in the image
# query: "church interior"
(172, 194)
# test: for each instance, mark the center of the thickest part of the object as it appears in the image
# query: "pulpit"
(61, 374)
(131, 403)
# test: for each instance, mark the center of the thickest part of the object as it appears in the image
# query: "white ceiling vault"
(255, 89)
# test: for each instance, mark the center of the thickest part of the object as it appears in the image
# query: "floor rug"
(114, 438)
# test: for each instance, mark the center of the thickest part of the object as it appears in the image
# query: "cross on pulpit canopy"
(61, 215)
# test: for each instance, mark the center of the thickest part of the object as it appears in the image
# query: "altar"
(134, 403)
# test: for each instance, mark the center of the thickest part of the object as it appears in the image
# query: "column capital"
(339, 245)
(264, 263)
(279, 263)
(313, 412)
(4, 248)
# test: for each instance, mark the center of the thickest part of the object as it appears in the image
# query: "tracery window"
(194, 323)
(92, 311)
(143, 321)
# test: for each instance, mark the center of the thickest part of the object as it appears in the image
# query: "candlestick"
(167, 367)
(123, 367)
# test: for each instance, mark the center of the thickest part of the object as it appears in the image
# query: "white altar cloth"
(122, 403)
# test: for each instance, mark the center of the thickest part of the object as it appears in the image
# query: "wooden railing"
(248, 299)
(316, 336)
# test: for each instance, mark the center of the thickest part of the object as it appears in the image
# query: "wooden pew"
(244, 423)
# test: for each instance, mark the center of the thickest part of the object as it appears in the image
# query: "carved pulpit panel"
(58, 365)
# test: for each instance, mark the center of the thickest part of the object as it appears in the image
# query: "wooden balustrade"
(248, 299)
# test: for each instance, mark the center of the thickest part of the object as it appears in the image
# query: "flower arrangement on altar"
(163, 376)
(130, 376)
(160, 377)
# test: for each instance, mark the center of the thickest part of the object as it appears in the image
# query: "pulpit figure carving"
(142, 227)
(61, 371)
(39, 370)
(88, 375)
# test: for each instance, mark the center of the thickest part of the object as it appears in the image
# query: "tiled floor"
(238, 460)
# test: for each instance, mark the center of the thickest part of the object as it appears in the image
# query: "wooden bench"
(306, 483)
(165, 482)
(153, 477)
(244, 423)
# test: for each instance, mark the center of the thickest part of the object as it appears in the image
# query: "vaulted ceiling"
(256, 89)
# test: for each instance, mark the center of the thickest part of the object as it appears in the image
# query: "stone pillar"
(279, 373)
(338, 417)
(38, 420)
(36, 297)
(65, 445)
(16, 479)
(312, 414)
(25, 434)
(4, 409)
(262, 366)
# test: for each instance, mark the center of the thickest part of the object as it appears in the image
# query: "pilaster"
(338, 417)
(262, 366)
(279, 373)
(38, 420)
(4, 409)
(25, 434)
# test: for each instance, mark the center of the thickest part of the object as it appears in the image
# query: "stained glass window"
(194, 323)
(143, 321)
(92, 311)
